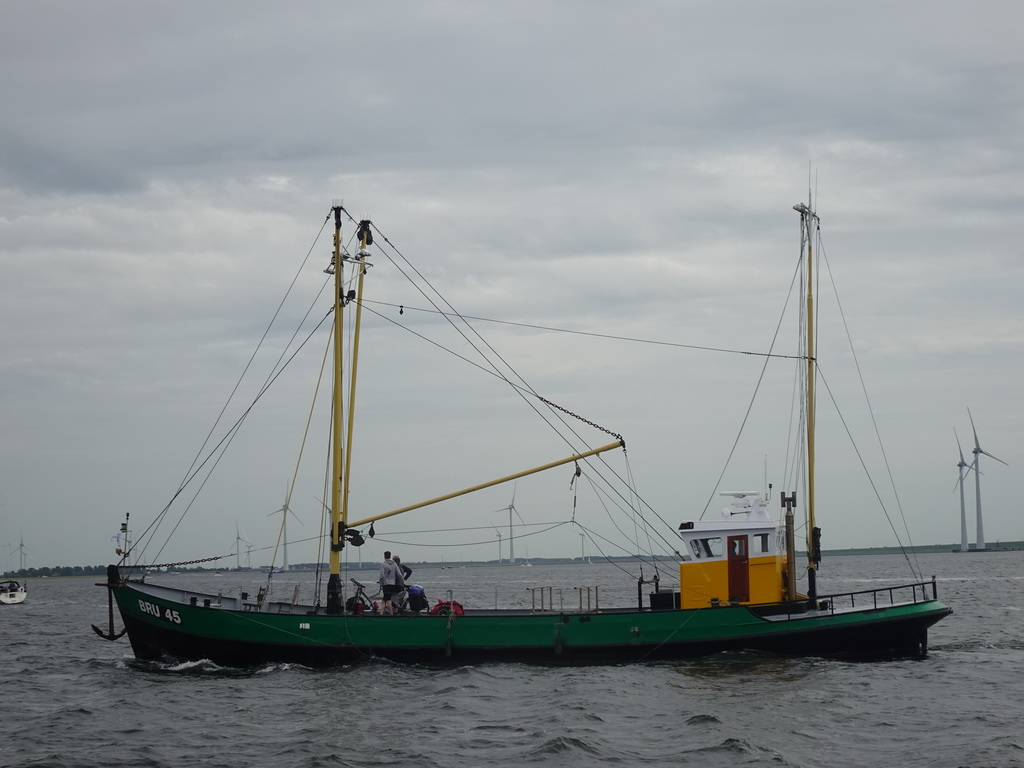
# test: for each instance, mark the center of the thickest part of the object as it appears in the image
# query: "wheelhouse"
(739, 559)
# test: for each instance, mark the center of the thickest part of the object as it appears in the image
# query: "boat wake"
(203, 668)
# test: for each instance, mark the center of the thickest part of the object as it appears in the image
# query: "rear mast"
(808, 226)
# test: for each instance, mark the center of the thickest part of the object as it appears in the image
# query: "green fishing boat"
(737, 583)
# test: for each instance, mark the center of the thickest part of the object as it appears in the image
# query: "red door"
(739, 570)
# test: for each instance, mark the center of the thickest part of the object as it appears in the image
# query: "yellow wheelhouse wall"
(703, 581)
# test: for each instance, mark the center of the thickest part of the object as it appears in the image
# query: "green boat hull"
(162, 628)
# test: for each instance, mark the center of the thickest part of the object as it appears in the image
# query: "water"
(70, 699)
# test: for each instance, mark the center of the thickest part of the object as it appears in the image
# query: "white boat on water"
(12, 592)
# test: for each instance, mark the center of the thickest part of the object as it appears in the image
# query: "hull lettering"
(154, 610)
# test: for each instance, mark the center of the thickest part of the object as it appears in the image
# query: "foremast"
(808, 229)
(343, 419)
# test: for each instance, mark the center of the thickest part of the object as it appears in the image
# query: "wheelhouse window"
(761, 542)
(705, 548)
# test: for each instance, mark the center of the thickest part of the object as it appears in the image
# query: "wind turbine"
(285, 511)
(22, 550)
(499, 544)
(511, 536)
(978, 452)
(239, 539)
(961, 466)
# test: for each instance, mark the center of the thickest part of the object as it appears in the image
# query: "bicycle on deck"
(360, 602)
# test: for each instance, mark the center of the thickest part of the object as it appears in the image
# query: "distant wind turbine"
(22, 551)
(285, 511)
(511, 535)
(239, 540)
(499, 544)
(961, 466)
(978, 452)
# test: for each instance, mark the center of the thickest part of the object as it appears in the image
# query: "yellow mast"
(365, 239)
(807, 220)
(334, 602)
(341, 459)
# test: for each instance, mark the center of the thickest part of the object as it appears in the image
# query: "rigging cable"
(150, 531)
(519, 390)
(753, 397)
(627, 483)
(221, 447)
(871, 412)
(613, 337)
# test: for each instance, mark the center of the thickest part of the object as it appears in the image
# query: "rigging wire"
(871, 481)
(871, 412)
(640, 502)
(221, 447)
(613, 337)
(465, 321)
(150, 531)
(753, 396)
(636, 504)
(524, 390)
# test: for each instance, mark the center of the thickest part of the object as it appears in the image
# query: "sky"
(608, 169)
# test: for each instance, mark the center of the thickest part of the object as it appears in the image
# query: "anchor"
(113, 577)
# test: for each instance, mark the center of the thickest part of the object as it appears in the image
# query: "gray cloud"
(616, 171)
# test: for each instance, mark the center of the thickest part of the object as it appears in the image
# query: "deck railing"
(880, 597)
(917, 592)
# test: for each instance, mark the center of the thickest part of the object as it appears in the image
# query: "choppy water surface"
(69, 698)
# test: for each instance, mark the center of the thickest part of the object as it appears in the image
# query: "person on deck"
(406, 570)
(391, 582)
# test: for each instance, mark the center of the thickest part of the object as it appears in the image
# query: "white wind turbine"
(511, 534)
(978, 451)
(239, 540)
(961, 466)
(499, 542)
(22, 551)
(285, 511)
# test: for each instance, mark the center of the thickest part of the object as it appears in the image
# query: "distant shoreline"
(1007, 546)
(61, 572)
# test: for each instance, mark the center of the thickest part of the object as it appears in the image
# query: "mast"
(365, 239)
(341, 459)
(808, 226)
(334, 602)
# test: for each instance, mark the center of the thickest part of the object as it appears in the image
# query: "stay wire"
(871, 480)
(757, 388)
(871, 410)
(613, 337)
(465, 321)
(150, 531)
(640, 502)
(221, 447)
(611, 487)
(521, 391)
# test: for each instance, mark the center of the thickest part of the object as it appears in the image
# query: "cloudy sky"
(613, 169)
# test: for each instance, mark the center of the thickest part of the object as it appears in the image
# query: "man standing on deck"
(391, 582)
(406, 570)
